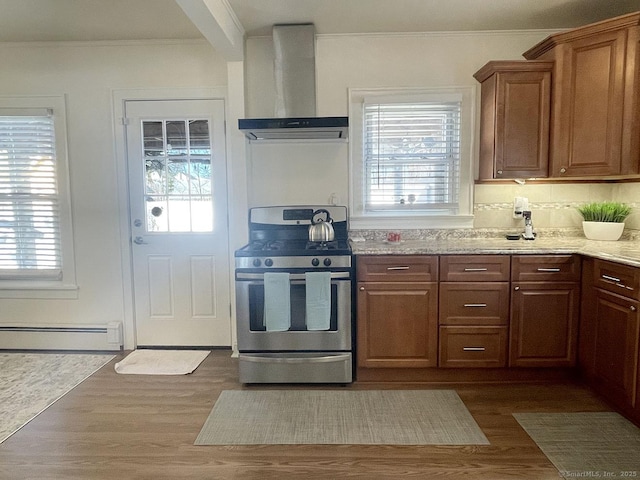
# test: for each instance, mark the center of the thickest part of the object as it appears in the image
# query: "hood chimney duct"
(295, 70)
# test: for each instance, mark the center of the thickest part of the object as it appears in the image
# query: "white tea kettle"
(321, 230)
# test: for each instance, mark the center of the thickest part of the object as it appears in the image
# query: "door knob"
(139, 241)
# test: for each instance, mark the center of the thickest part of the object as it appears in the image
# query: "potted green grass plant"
(604, 220)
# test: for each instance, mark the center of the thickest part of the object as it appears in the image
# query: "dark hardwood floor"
(143, 427)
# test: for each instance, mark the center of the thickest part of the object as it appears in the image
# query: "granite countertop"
(621, 251)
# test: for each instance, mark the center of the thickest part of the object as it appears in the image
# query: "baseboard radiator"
(61, 337)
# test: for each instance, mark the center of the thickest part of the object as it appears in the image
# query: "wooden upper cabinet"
(595, 119)
(515, 111)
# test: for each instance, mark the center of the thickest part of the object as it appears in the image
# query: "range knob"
(268, 262)
(327, 262)
(315, 262)
(256, 262)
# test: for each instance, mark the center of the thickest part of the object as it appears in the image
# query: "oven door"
(252, 334)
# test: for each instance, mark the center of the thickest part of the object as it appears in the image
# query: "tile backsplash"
(552, 205)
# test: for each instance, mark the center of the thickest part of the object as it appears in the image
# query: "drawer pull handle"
(475, 304)
(610, 278)
(473, 349)
(548, 269)
(404, 267)
(475, 269)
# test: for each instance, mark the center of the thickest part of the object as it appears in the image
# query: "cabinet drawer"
(542, 268)
(474, 268)
(479, 303)
(405, 268)
(614, 277)
(473, 346)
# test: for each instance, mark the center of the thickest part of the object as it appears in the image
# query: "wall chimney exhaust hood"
(295, 81)
(304, 128)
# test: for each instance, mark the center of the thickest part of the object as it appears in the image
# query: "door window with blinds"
(412, 156)
(31, 204)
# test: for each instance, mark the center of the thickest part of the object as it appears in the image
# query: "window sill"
(37, 290)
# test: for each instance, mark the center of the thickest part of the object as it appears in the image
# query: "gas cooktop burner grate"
(267, 245)
(333, 245)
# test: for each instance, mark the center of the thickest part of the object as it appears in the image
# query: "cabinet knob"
(516, 288)
(633, 308)
(563, 170)
(362, 289)
(499, 172)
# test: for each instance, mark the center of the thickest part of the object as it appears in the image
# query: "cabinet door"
(397, 324)
(589, 106)
(515, 117)
(522, 124)
(616, 346)
(544, 324)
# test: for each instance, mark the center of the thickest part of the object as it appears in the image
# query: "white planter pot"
(602, 230)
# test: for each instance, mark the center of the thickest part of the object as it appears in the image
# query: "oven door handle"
(293, 276)
(293, 360)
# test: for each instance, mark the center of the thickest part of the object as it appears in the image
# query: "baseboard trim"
(61, 337)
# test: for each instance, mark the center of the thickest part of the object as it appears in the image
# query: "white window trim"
(66, 286)
(358, 219)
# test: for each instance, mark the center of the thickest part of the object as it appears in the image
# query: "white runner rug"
(161, 362)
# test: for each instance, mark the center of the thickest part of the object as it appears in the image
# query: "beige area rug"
(31, 382)
(161, 362)
(591, 445)
(376, 417)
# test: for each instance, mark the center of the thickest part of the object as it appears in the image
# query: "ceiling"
(91, 20)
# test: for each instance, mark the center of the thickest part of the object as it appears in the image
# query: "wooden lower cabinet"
(545, 310)
(610, 333)
(397, 324)
(616, 335)
(544, 324)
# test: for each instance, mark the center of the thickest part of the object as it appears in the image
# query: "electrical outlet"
(520, 204)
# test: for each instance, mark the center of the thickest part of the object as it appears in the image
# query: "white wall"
(87, 73)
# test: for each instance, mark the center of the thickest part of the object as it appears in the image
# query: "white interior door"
(178, 200)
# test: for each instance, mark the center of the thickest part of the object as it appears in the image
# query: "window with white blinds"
(411, 157)
(30, 245)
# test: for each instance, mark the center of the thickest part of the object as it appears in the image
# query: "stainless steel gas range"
(293, 296)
